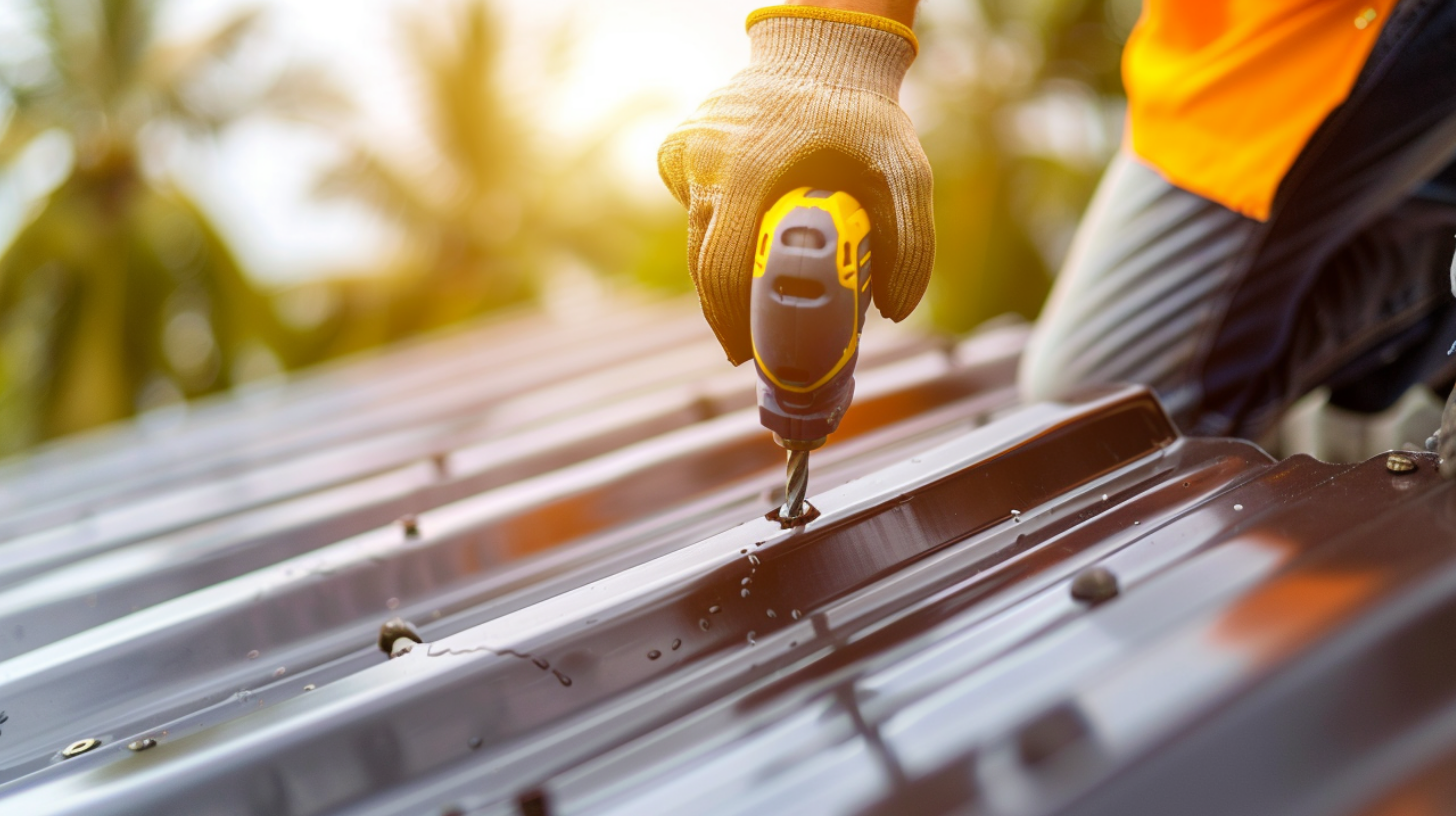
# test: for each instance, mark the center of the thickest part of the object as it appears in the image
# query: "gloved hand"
(818, 105)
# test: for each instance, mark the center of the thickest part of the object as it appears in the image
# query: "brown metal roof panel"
(434, 413)
(237, 432)
(416, 704)
(1277, 667)
(153, 499)
(54, 594)
(184, 655)
(261, 463)
(329, 390)
(1257, 637)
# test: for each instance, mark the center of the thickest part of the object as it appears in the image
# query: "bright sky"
(257, 182)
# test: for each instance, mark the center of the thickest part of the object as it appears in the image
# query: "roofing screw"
(1050, 733)
(410, 524)
(80, 747)
(1399, 463)
(704, 408)
(1094, 586)
(398, 636)
(142, 744)
(533, 803)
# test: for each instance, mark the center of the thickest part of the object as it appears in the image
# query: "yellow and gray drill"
(811, 289)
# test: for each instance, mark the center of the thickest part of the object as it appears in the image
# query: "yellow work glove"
(817, 105)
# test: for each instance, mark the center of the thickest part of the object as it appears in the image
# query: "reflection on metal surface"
(1071, 609)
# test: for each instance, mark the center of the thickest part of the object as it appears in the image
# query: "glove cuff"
(858, 18)
(842, 48)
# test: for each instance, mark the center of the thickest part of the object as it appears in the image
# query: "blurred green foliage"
(1025, 106)
(464, 208)
(489, 214)
(117, 291)
(118, 294)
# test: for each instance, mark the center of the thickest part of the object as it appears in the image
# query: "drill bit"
(797, 487)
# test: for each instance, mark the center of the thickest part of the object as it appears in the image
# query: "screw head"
(1095, 585)
(80, 747)
(396, 629)
(142, 744)
(1399, 463)
(410, 524)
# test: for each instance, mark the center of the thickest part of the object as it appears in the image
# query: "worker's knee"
(1056, 368)
(1048, 371)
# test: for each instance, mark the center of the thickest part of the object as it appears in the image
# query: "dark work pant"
(1348, 284)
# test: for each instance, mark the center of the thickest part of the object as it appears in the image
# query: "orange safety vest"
(1224, 94)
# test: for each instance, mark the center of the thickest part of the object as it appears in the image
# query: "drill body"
(809, 299)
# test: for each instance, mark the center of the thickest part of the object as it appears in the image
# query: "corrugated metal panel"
(1071, 608)
(138, 613)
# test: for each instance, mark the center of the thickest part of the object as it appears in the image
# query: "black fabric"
(1347, 283)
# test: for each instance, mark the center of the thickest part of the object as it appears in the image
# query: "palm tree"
(486, 217)
(117, 292)
(461, 207)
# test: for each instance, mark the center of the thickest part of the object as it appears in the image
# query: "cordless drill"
(810, 293)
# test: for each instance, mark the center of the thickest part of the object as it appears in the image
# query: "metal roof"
(1000, 609)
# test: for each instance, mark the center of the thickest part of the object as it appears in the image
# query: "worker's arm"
(817, 106)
